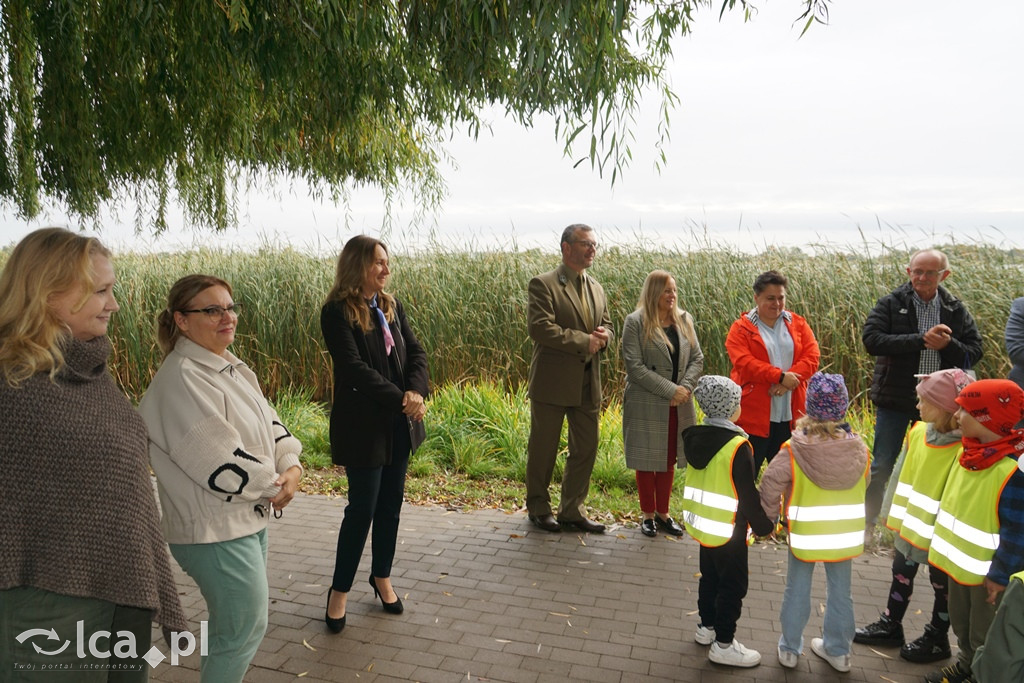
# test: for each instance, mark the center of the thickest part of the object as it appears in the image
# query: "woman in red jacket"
(773, 353)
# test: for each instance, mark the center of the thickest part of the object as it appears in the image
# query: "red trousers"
(656, 487)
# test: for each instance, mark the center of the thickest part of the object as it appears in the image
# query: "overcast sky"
(898, 124)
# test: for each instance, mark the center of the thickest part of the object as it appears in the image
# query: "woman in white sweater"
(224, 464)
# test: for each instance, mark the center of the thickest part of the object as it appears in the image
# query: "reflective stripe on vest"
(967, 526)
(825, 525)
(709, 497)
(919, 490)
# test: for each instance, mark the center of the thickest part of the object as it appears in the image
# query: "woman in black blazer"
(380, 381)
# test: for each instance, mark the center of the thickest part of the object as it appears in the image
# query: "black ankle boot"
(933, 646)
(885, 631)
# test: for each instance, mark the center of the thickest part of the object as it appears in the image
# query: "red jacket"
(752, 370)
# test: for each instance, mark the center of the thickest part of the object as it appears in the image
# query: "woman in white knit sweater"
(224, 464)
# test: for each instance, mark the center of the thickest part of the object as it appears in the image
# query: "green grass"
(475, 452)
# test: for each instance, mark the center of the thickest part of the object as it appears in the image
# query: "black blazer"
(368, 387)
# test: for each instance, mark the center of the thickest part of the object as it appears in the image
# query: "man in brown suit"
(569, 325)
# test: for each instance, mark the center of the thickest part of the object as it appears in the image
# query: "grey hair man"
(916, 329)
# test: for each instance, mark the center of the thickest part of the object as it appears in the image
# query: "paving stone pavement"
(488, 597)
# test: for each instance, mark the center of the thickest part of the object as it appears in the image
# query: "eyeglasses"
(587, 244)
(917, 272)
(215, 313)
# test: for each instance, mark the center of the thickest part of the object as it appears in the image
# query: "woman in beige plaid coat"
(663, 362)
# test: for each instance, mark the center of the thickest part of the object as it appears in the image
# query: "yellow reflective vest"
(915, 503)
(967, 525)
(825, 525)
(709, 497)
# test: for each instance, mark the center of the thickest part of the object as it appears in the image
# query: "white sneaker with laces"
(788, 659)
(840, 663)
(733, 654)
(704, 635)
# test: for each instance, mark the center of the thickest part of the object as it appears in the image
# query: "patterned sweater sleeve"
(212, 455)
(287, 448)
(189, 421)
(1009, 557)
(775, 485)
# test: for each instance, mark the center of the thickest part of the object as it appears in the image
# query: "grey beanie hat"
(717, 396)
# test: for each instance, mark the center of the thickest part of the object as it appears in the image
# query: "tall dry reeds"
(469, 309)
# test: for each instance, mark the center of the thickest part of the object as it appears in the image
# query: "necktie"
(389, 341)
(588, 317)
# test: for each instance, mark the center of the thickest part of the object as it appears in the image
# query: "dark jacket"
(701, 443)
(368, 387)
(891, 335)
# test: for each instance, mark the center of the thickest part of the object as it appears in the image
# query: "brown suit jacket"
(561, 339)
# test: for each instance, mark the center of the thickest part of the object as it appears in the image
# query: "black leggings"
(903, 572)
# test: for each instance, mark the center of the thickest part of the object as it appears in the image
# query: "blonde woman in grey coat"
(663, 362)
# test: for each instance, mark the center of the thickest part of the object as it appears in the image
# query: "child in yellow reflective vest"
(719, 502)
(979, 529)
(912, 502)
(819, 477)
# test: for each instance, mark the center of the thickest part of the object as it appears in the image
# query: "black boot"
(885, 631)
(933, 646)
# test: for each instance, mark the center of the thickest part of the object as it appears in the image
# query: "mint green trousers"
(232, 576)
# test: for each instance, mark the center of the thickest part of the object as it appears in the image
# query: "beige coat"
(216, 446)
(649, 388)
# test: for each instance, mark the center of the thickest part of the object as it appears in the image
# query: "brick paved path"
(490, 598)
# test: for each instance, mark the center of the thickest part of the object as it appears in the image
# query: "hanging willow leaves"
(101, 100)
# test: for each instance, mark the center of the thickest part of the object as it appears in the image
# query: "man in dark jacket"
(917, 329)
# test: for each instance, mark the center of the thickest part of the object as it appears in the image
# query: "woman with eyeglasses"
(80, 541)
(224, 464)
(380, 381)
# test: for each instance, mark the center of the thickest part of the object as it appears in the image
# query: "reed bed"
(469, 308)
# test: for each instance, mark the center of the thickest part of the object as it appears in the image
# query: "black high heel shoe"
(334, 624)
(389, 607)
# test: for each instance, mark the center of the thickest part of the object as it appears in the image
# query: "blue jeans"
(796, 606)
(890, 431)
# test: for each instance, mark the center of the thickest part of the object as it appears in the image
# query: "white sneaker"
(788, 659)
(733, 654)
(704, 635)
(838, 662)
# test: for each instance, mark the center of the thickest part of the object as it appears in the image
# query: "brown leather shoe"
(587, 525)
(546, 522)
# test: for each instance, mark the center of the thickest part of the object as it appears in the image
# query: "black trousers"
(765, 447)
(375, 496)
(723, 585)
